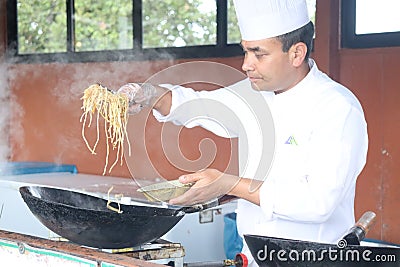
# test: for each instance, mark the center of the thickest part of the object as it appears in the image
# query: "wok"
(268, 251)
(85, 219)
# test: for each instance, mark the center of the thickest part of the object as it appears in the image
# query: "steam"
(66, 91)
(110, 74)
(74, 78)
(5, 149)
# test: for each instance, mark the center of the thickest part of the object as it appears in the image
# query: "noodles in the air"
(100, 101)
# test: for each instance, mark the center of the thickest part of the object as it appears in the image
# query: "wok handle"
(211, 204)
(226, 199)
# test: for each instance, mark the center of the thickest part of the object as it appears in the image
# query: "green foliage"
(107, 24)
(103, 25)
(42, 26)
(233, 28)
(179, 23)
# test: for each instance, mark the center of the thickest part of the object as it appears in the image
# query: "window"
(45, 33)
(184, 23)
(102, 25)
(377, 17)
(107, 30)
(370, 23)
(233, 28)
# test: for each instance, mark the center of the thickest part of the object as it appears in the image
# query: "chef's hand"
(140, 95)
(209, 185)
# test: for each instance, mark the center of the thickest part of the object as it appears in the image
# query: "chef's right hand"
(209, 184)
(140, 95)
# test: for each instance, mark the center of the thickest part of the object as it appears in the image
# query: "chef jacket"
(319, 140)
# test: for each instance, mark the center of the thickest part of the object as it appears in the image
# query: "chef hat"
(261, 19)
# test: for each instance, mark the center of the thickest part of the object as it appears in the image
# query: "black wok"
(268, 251)
(85, 219)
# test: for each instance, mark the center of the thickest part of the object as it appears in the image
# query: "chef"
(306, 188)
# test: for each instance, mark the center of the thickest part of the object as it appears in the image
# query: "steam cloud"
(72, 79)
(5, 149)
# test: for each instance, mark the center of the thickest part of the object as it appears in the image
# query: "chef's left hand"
(209, 184)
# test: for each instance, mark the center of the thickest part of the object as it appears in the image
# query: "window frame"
(221, 49)
(349, 38)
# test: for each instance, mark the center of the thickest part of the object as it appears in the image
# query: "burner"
(157, 251)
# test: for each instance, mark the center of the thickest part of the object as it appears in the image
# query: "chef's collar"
(302, 84)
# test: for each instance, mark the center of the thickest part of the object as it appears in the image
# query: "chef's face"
(267, 66)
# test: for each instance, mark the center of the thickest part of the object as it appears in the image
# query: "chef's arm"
(247, 189)
(212, 183)
(163, 100)
(193, 108)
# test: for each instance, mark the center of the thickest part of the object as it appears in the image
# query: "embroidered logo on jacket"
(291, 141)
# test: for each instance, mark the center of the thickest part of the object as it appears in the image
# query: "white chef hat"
(261, 19)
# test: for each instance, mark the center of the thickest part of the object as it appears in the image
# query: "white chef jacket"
(320, 145)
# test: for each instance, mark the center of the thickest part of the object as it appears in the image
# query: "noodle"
(114, 109)
(109, 201)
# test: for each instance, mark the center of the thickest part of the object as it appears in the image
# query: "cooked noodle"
(118, 197)
(114, 109)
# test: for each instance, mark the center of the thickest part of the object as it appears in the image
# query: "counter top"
(23, 248)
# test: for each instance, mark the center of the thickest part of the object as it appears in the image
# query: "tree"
(107, 24)
(42, 26)
(179, 23)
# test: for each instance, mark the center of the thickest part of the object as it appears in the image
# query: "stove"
(24, 250)
(159, 251)
(189, 240)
